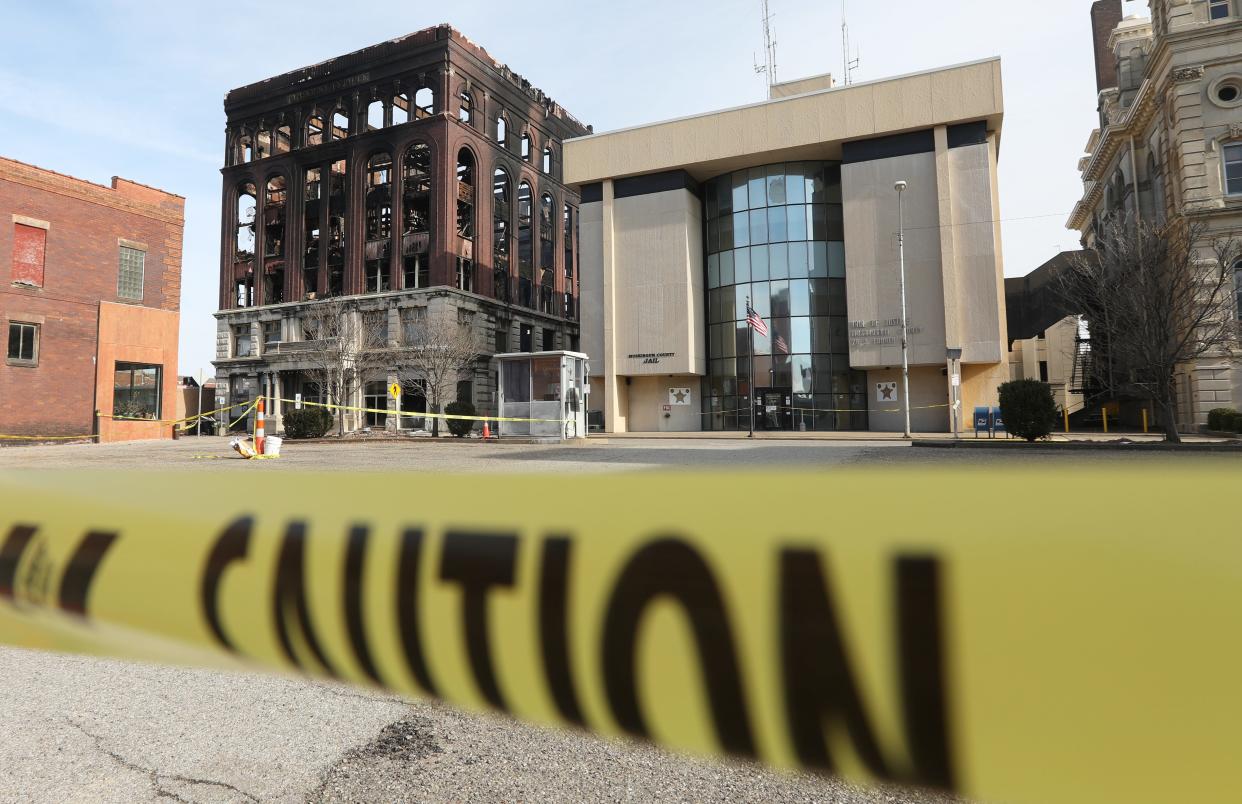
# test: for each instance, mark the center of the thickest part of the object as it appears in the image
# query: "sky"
(135, 88)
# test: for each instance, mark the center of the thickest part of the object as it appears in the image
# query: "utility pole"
(900, 187)
(768, 68)
(848, 64)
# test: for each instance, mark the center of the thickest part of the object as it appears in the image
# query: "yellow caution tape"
(46, 438)
(912, 626)
(415, 415)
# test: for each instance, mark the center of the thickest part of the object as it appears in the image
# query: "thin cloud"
(55, 105)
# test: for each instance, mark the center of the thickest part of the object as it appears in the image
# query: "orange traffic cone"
(487, 432)
(258, 429)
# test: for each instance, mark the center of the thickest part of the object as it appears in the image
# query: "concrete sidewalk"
(868, 436)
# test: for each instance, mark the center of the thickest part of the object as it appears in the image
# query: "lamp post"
(900, 187)
(954, 354)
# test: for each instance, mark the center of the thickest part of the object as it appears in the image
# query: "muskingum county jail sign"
(652, 358)
(878, 332)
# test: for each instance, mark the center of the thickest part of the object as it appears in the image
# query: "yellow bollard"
(1066, 412)
(1105, 411)
(1144, 421)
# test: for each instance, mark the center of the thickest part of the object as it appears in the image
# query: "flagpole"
(750, 326)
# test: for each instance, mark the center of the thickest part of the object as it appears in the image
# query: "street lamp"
(954, 354)
(900, 187)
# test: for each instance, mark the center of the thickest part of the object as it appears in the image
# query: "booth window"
(136, 391)
(23, 344)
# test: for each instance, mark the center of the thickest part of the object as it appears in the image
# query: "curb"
(1082, 446)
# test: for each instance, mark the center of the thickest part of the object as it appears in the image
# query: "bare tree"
(437, 352)
(342, 346)
(1156, 297)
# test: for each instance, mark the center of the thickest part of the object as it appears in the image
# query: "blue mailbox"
(998, 424)
(983, 421)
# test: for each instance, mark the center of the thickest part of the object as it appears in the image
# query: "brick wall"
(85, 224)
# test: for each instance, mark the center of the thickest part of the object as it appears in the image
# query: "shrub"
(1237, 424)
(1221, 419)
(307, 423)
(459, 427)
(1028, 408)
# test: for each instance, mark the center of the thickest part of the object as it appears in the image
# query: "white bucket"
(271, 445)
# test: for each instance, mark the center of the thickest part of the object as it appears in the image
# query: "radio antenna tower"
(768, 68)
(851, 64)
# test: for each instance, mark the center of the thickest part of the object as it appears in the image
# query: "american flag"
(755, 320)
(780, 345)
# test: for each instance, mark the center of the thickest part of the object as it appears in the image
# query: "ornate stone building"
(1170, 143)
(412, 178)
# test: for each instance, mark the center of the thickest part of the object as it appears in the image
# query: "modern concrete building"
(1169, 145)
(89, 305)
(790, 204)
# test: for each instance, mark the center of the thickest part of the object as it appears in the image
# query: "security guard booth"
(549, 388)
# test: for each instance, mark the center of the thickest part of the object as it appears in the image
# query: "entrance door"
(774, 409)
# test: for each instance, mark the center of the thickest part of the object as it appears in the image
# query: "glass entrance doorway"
(773, 409)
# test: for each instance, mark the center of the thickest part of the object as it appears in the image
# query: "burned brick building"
(418, 177)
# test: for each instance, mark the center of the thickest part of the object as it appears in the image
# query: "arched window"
(375, 115)
(425, 103)
(547, 160)
(1156, 178)
(526, 257)
(245, 149)
(547, 274)
(465, 113)
(314, 130)
(340, 124)
(378, 223)
(1233, 168)
(400, 109)
(465, 193)
(274, 222)
(502, 130)
(282, 139)
(416, 216)
(243, 244)
(501, 201)
(526, 146)
(311, 231)
(338, 233)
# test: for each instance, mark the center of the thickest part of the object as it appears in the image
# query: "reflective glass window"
(795, 183)
(761, 299)
(780, 299)
(713, 270)
(800, 374)
(740, 200)
(724, 195)
(741, 265)
(776, 185)
(758, 227)
(758, 190)
(799, 297)
(800, 334)
(796, 216)
(735, 231)
(798, 260)
(759, 263)
(726, 268)
(778, 232)
(778, 261)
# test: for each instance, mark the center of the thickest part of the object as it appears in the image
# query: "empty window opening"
(130, 274)
(282, 139)
(400, 110)
(379, 223)
(502, 130)
(424, 103)
(375, 115)
(245, 149)
(465, 113)
(271, 335)
(465, 193)
(547, 161)
(526, 257)
(274, 221)
(311, 209)
(340, 124)
(567, 247)
(23, 343)
(416, 216)
(29, 254)
(549, 340)
(547, 274)
(501, 192)
(526, 338)
(243, 244)
(314, 130)
(465, 274)
(526, 146)
(338, 205)
(375, 398)
(136, 391)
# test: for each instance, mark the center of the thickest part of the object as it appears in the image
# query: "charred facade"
(412, 178)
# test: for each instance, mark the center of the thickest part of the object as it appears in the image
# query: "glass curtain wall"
(775, 236)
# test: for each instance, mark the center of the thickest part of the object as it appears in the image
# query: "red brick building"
(90, 290)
